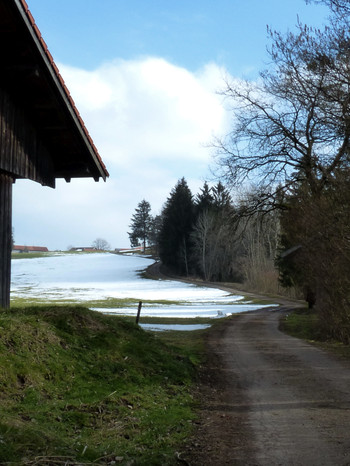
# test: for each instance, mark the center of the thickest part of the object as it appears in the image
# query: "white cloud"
(150, 121)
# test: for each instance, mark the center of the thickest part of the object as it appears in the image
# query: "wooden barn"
(42, 136)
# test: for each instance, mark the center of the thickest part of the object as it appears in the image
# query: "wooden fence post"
(138, 312)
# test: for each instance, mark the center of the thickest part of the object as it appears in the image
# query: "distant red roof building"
(29, 249)
(127, 250)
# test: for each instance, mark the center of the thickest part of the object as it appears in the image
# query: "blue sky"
(188, 33)
(144, 76)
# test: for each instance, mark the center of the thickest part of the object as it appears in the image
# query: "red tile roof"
(30, 248)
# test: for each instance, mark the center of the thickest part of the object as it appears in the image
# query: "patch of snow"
(99, 276)
(177, 327)
(189, 311)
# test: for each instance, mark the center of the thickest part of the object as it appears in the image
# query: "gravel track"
(270, 399)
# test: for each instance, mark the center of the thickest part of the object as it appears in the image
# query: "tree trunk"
(185, 255)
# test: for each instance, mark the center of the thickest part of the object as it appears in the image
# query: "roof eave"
(62, 88)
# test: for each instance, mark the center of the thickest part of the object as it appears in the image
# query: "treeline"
(210, 236)
(291, 136)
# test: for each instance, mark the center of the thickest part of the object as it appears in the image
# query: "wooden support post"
(6, 182)
(138, 312)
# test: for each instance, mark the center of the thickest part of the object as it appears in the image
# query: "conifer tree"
(204, 200)
(221, 197)
(141, 224)
(177, 224)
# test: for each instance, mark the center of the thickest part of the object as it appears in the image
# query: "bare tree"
(293, 125)
(201, 241)
(211, 240)
(339, 7)
(291, 135)
(101, 244)
(215, 244)
(259, 235)
(318, 263)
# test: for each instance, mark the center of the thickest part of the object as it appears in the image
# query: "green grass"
(91, 388)
(302, 323)
(126, 302)
(31, 255)
(305, 324)
(36, 255)
(113, 303)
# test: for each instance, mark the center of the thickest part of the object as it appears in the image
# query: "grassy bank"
(80, 387)
(305, 324)
(31, 255)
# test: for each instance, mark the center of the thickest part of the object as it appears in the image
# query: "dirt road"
(270, 399)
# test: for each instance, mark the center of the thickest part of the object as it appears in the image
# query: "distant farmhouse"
(23, 249)
(83, 249)
(130, 250)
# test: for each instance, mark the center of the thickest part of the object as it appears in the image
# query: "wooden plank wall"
(6, 182)
(22, 153)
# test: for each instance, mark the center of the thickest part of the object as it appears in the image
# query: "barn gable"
(42, 136)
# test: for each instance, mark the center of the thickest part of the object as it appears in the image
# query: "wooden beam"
(6, 181)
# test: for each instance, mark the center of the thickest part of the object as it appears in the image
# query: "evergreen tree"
(154, 234)
(221, 197)
(174, 238)
(141, 224)
(204, 200)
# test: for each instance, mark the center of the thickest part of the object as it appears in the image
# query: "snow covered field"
(100, 278)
